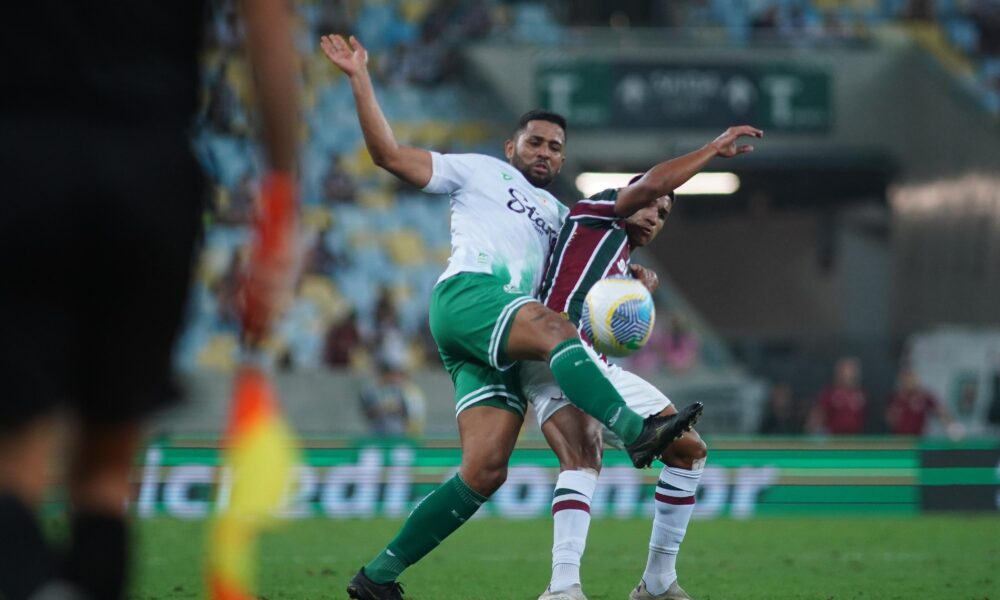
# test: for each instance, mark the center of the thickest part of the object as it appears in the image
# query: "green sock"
(435, 518)
(586, 386)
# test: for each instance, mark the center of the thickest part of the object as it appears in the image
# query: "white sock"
(674, 505)
(571, 520)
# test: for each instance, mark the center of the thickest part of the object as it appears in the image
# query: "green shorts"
(471, 315)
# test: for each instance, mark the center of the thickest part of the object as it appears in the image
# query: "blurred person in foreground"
(97, 237)
(910, 406)
(840, 409)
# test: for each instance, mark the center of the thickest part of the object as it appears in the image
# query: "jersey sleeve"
(597, 211)
(450, 172)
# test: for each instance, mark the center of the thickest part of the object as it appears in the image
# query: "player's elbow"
(637, 195)
(396, 164)
(381, 158)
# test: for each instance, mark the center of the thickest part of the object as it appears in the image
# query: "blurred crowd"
(844, 407)
(965, 34)
(373, 248)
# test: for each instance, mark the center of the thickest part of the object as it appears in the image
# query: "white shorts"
(540, 388)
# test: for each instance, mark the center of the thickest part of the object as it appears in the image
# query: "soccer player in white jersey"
(596, 242)
(484, 316)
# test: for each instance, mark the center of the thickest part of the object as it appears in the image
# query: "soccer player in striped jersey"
(596, 242)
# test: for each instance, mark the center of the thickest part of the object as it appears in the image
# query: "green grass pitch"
(766, 558)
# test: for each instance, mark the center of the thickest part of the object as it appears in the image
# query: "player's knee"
(698, 448)
(699, 452)
(556, 330)
(689, 452)
(486, 480)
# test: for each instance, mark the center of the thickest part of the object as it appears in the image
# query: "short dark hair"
(540, 114)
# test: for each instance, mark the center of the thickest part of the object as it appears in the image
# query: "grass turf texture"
(767, 558)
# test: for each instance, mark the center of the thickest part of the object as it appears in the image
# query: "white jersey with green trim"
(500, 223)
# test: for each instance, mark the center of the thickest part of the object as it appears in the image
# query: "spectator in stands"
(334, 16)
(223, 104)
(392, 404)
(780, 414)
(919, 10)
(765, 23)
(429, 61)
(476, 20)
(986, 16)
(320, 259)
(680, 345)
(343, 339)
(834, 28)
(673, 346)
(993, 414)
(225, 29)
(840, 409)
(236, 206)
(226, 290)
(968, 418)
(338, 186)
(911, 404)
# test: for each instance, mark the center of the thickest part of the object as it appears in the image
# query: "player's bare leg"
(575, 437)
(99, 487)
(539, 333)
(99, 476)
(684, 462)
(488, 435)
(25, 473)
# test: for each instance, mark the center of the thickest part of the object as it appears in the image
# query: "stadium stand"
(364, 233)
(369, 240)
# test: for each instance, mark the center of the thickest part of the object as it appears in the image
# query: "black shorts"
(98, 227)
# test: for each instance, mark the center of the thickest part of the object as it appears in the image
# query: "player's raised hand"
(645, 276)
(350, 56)
(725, 145)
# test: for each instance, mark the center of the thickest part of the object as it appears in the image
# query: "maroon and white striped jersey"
(592, 245)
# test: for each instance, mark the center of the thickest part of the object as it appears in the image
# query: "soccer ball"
(618, 316)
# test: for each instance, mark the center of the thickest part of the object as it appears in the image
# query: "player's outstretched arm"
(669, 175)
(412, 165)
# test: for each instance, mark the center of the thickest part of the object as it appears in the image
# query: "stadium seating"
(365, 232)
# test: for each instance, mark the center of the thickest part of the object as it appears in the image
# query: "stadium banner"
(365, 478)
(630, 94)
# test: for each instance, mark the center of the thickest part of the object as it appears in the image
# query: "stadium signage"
(346, 479)
(631, 94)
(946, 474)
(371, 487)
